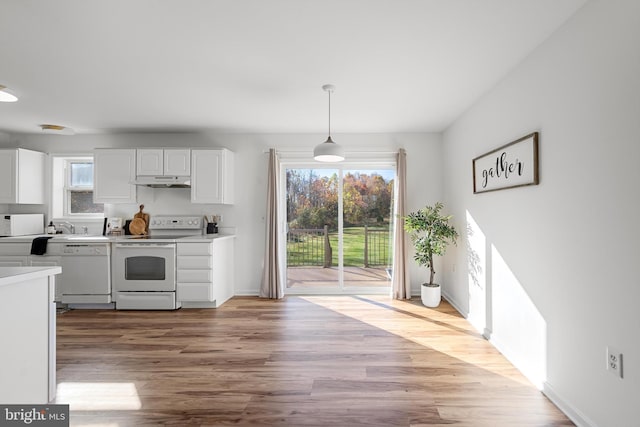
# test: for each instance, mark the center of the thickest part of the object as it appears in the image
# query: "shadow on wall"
(500, 307)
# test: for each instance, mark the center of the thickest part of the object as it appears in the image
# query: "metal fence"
(309, 247)
(312, 247)
(376, 247)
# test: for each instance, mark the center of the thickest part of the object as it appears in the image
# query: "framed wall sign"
(512, 165)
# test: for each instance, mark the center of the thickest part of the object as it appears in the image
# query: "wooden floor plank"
(301, 361)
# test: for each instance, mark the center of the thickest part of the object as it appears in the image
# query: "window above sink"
(72, 188)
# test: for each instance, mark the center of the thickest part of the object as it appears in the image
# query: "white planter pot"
(430, 295)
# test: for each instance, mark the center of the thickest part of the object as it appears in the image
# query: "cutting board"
(140, 222)
(137, 226)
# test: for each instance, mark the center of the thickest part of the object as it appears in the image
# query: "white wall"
(424, 153)
(550, 269)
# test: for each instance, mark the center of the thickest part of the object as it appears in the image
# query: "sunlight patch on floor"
(403, 318)
(99, 397)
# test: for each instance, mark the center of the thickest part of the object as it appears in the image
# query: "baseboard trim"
(574, 414)
(455, 305)
(246, 294)
(486, 333)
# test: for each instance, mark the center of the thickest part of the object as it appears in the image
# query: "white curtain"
(272, 285)
(400, 283)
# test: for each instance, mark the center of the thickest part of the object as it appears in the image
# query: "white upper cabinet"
(21, 176)
(114, 170)
(167, 162)
(212, 176)
(177, 162)
(149, 162)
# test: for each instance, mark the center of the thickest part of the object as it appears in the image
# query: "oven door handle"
(145, 245)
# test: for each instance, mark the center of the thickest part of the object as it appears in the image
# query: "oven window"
(144, 268)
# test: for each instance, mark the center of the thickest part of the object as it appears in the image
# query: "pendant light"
(6, 96)
(328, 151)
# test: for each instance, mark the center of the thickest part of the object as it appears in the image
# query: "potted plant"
(430, 233)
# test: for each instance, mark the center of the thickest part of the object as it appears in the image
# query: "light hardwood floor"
(302, 361)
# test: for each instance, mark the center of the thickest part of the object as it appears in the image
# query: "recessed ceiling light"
(6, 96)
(57, 130)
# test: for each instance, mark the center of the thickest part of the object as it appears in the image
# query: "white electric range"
(144, 267)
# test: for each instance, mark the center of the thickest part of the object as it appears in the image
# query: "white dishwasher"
(86, 271)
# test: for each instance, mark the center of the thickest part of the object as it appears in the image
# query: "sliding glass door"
(339, 227)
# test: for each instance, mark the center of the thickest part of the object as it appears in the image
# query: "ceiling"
(257, 66)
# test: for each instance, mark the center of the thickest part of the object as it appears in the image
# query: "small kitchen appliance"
(21, 224)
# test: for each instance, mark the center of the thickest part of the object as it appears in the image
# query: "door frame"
(361, 162)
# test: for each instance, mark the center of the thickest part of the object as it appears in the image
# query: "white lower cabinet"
(14, 261)
(28, 355)
(194, 262)
(195, 292)
(201, 278)
(49, 261)
(192, 275)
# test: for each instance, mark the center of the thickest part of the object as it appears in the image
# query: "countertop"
(62, 238)
(205, 237)
(10, 275)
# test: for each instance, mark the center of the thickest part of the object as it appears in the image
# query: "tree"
(312, 199)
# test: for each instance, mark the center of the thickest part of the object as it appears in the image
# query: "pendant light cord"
(329, 113)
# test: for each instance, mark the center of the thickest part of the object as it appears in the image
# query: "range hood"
(163, 181)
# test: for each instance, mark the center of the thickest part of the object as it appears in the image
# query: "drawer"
(194, 248)
(194, 276)
(145, 300)
(192, 261)
(194, 292)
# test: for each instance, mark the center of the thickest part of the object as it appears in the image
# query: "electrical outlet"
(614, 361)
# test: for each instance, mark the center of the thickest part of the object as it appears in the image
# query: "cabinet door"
(177, 162)
(8, 183)
(114, 170)
(30, 176)
(149, 162)
(207, 177)
(212, 176)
